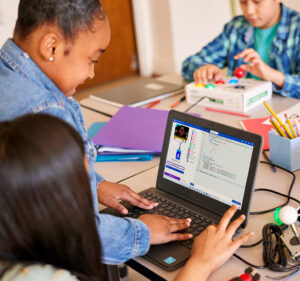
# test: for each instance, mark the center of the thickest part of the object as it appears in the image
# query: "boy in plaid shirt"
(265, 42)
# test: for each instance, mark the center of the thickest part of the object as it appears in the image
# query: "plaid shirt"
(238, 35)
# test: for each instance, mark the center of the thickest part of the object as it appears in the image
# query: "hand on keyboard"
(109, 193)
(163, 228)
(213, 247)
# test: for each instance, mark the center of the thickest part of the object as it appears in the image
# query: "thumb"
(239, 241)
(119, 207)
(245, 67)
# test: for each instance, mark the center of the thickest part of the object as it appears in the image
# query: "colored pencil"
(297, 123)
(277, 127)
(291, 125)
(227, 112)
(278, 120)
(152, 104)
(178, 102)
(273, 113)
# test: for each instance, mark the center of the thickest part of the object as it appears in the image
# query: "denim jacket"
(238, 35)
(24, 88)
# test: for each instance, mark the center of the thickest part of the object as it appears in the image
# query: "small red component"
(249, 275)
(243, 277)
(220, 82)
(239, 72)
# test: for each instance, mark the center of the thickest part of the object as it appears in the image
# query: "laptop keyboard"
(170, 209)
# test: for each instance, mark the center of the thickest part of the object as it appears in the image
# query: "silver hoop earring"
(51, 59)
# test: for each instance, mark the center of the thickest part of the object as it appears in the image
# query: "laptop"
(205, 168)
(138, 93)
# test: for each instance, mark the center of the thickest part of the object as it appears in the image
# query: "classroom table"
(142, 175)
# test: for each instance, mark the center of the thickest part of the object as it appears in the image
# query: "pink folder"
(255, 125)
(136, 128)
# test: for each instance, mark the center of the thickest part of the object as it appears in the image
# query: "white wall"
(153, 33)
(295, 4)
(194, 23)
(8, 16)
(178, 29)
(163, 44)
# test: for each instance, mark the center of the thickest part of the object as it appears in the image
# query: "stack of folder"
(111, 154)
(132, 134)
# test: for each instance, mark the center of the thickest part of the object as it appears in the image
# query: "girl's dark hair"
(71, 16)
(47, 213)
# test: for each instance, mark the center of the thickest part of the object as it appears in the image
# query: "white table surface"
(266, 178)
(142, 175)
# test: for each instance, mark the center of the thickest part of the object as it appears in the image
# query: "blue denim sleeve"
(132, 234)
(121, 238)
(288, 62)
(291, 87)
(99, 178)
(216, 52)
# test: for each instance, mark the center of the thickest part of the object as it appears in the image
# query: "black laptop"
(205, 167)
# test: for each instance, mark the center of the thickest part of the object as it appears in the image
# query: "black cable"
(273, 253)
(278, 193)
(274, 257)
(137, 173)
(273, 250)
(248, 263)
(195, 103)
(251, 245)
(98, 111)
(288, 196)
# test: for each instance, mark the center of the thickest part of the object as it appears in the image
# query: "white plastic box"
(241, 96)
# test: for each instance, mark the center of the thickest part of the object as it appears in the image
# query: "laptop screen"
(208, 162)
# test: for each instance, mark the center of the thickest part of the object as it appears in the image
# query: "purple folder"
(136, 128)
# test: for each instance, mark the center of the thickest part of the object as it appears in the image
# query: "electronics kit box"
(239, 95)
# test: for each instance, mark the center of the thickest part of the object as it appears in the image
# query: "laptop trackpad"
(169, 256)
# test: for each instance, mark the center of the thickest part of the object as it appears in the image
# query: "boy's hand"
(213, 247)
(162, 228)
(207, 73)
(256, 66)
(109, 193)
(253, 63)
